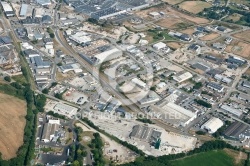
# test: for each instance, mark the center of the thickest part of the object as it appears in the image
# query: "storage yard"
(125, 130)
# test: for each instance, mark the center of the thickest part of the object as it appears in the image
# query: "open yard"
(210, 37)
(12, 123)
(240, 48)
(234, 17)
(245, 35)
(226, 157)
(194, 6)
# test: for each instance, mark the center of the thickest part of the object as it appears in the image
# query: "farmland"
(194, 6)
(12, 120)
(224, 157)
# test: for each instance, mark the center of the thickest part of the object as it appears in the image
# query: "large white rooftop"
(212, 125)
(182, 77)
(6, 7)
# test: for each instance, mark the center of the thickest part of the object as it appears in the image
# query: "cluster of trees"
(46, 90)
(219, 132)
(56, 115)
(203, 103)
(213, 13)
(26, 151)
(197, 85)
(124, 143)
(76, 154)
(40, 101)
(51, 32)
(7, 78)
(59, 96)
(97, 145)
(144, 120)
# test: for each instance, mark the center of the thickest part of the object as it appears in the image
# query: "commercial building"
(8, 11)
(212, 125)
(182, 76)
(236, 112)
(237, 131)
(215, 86)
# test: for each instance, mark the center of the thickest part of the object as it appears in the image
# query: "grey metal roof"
(23, 11)
(237, 129)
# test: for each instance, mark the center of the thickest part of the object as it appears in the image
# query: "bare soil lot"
(240, 48)
(173, 2)
(245, 35)
(12, 123)
(174, 45)
(209, 37)
(196, 20)
(170, 23)
(189, 31)
(171, 13)
(194, 6)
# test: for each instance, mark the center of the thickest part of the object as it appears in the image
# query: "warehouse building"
(182, 76)
(43, 2)
(212, 125)
(159, 46)
(23, 10)
(215, 86)
(50, 131)
(102, 54)
(8, 11)
(237, 131)
(236, 60)
(246, 84)
(146, 134)
(180, 115)
(139, 83)
(81, 38)
(236, 112)
(66, 110)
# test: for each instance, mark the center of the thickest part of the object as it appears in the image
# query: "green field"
(212, 158)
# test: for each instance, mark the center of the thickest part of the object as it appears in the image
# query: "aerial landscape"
(125, 82)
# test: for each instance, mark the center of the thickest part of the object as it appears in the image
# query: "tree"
(45, 91)
(7, 78)
(76, 163)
